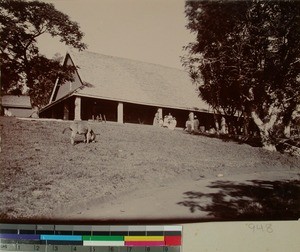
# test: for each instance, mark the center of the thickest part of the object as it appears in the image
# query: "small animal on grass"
(81, 128)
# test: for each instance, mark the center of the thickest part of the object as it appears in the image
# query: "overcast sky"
(146, 30)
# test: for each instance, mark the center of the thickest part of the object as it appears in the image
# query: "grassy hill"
(42, 172)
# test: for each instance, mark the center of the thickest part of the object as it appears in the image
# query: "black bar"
(27, 232)
(37, 242)
(121, 233)
(155, 233)
(76, 243)
(28, 242)
(8, 241)
(62, 232)
(81, 232)
(137, 233)
(101, 233)
(8, 231)
(45, 232)
(173, 233)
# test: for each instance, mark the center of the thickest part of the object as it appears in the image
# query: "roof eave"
(194, 109)
(56, 102)
(16, 106)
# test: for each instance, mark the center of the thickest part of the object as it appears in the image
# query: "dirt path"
(188, 199)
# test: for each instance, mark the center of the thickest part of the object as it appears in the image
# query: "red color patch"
(173, 240)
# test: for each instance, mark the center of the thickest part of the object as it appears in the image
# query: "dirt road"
(239, 197)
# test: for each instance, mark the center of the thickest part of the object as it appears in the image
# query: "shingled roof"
(21, 101)
(126, 80)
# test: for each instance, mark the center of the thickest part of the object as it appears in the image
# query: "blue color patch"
(19, 236)
(61, 237)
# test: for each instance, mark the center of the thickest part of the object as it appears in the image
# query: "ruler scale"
(76, 238)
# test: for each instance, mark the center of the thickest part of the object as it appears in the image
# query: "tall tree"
(247, 54)
(214, 59)
(21, 23)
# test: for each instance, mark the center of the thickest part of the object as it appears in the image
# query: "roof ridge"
(71, 52)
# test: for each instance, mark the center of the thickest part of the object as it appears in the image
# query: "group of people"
(170, 122)
(192, 125)
(167, 122)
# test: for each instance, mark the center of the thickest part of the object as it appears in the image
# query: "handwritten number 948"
(260, 227)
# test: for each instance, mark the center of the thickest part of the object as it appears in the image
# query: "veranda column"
(77, 108)
(120, 112)
(53, 115)
(191, 118)
(66, 110)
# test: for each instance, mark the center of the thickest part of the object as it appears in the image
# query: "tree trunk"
(266, 140)
(246, 122)
(287, 130)
(264, 130)
(230, 128)
(217, 124)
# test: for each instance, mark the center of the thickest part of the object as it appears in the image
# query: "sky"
(146, 30)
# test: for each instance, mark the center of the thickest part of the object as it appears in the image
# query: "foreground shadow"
(254, 200)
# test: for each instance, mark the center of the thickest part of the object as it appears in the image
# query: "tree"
(214, 59)
(44, 73)
(21, 23)
(246, 56)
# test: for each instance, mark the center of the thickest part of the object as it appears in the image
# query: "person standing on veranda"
(191, 119)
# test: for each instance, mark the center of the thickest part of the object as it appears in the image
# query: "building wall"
(58, 111)
(105, 108)
(67, 87)
(20, 112)
(140, 114)
(206, 120)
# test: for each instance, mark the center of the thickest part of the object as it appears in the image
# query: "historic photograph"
(150, 110)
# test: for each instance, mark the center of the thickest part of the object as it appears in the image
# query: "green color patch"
(102, 238)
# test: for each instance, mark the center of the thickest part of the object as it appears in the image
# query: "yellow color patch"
(144, 238)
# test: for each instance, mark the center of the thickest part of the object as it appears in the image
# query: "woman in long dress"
(156, 119)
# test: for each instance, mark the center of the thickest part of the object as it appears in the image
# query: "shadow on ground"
(239, 139)
(253, 200)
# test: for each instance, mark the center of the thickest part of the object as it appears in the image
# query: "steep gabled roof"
(133, 81)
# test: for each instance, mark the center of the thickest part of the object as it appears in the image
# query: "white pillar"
(77, 108)
(120, 112)
(160, 113)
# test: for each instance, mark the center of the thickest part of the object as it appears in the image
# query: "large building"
(124, 91)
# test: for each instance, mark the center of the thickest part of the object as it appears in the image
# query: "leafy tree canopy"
(246, 57)
(21, 23)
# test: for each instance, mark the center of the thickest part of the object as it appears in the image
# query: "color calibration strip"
(63, 238)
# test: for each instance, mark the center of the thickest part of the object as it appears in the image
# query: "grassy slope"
(42, 172)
